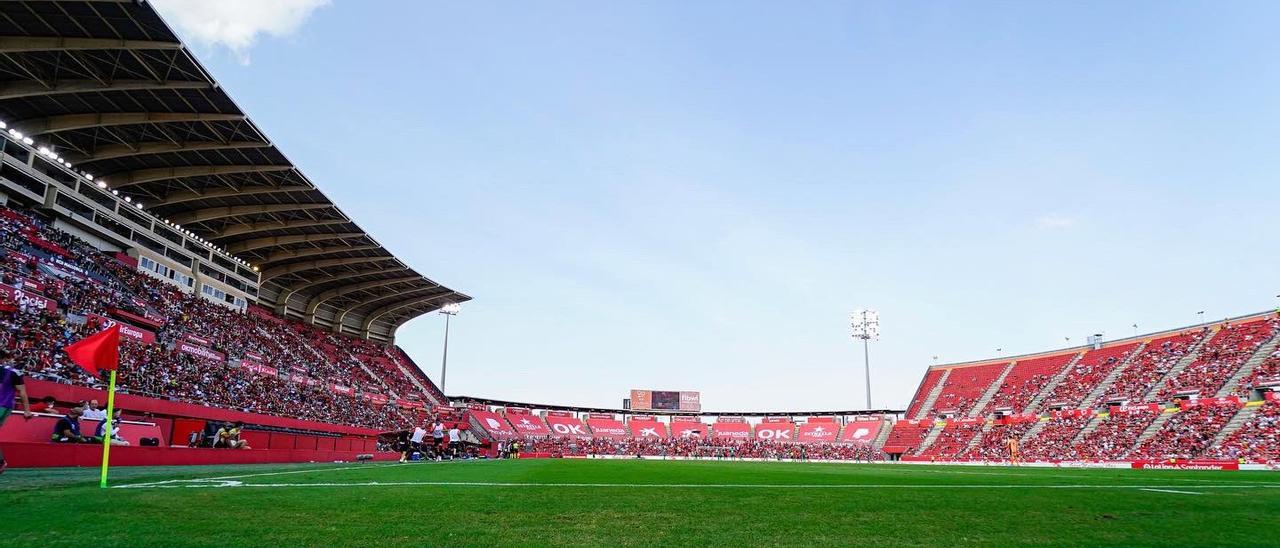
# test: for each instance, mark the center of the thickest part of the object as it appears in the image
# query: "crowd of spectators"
(993, 444)
(952, 440)
(1115, 436)
(1220, 358)
(1087, 373)
(1026, 379)
(83, 281)
(1186, 434)
(1053, 441)
(1257, 440)
(1148, 368)
(702, 447)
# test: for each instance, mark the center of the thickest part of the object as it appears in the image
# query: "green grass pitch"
(643, 503)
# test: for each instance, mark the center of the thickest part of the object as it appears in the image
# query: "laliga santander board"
(565, 424)
(497, 428)
(818, 431)
(528, 425)
(776, 429)
(731, 428)
(861, 431)
(647, 428)
(606, 427)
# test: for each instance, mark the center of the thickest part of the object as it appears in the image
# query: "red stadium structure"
(151, 201)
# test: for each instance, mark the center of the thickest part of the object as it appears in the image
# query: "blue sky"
(695, 197)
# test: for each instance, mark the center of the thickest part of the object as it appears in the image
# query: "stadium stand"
(687, 427)
(955, 437)
(861, 431)
(527, 424)
(1221, 357)
(930, 381)
(1155, 361)
(731, 428)
(1026, 379)
(906, 436)
(964, 386)
(645, 427)
(1087, 373)
(564, 423)
(607, 426)
(819, 430)
(780, 429)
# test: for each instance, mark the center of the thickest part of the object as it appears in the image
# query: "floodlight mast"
(865, 324)
(448, 310)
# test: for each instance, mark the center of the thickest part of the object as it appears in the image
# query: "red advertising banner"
(567, 426)
(688, 429)
(731, 419)
(777, 419)
(529, 425)
(1017, 419)
(264, 314)
(496, 426)
(606, 426)
(340, 389)
(647, 428)
(126, 330)
(255, 357)
(196, 339)
(817, 432)
(127, 316)
(516, 411)
(260, 369)
(776, 431)
(953, 423)
(733, 430)
(29, 284)
(476, 406)
(681, 418)
(31, 300)
(559, 413)
(1225, 401)
(861, 431)
(1136, 408)
(1071, 413)
(1272, 395)
(1179, 464)
(201, 352)
(822, 419)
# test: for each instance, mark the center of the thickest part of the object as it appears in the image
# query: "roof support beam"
(290, 254)
(282, 299)
(23, 44)
(143, 176)
(263, 226)
(109, 152)
(68, 122)
(209, 214)
(320, 299)
(225, 192)
(31, 88)
(387, 309)
(274, 241)
(318, 264)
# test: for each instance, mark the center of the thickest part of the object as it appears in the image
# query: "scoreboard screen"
(665, 400)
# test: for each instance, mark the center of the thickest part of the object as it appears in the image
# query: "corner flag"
(101, 351)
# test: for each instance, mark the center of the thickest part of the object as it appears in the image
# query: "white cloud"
(236, 24)
(1052, 221)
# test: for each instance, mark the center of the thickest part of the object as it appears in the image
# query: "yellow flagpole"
(106, 429)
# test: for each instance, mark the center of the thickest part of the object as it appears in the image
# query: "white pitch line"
(262, 474)
(1170, 491)
(211, 484)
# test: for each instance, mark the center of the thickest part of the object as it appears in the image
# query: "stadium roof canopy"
(109, 86)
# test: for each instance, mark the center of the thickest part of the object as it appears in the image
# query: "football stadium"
(201, 348)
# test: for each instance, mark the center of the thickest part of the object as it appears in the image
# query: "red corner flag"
(100, 351)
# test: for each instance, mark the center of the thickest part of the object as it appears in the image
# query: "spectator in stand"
(92, 412)
(46, 404)
(100, 431)
(67, 430)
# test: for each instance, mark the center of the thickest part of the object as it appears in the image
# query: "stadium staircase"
(987, 396)
(1102, 388)
(927, 406)
(1034, 431)
(1153, 428)
(977, 438)
(1252, 363)
(1178, 367)
(932, 436)
(1052, 385)
(1088, 429)
(885, 427)
(1243, 416)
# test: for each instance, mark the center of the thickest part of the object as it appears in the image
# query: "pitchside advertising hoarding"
(666, 400)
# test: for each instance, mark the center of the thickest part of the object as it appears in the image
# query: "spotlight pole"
(866, 326)
(449, 310)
